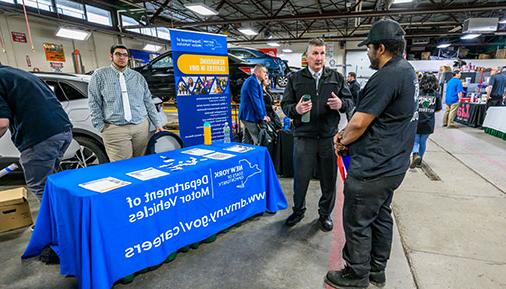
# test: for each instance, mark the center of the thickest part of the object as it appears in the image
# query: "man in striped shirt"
(121, 104)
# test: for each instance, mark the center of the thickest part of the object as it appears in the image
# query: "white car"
(72, 91)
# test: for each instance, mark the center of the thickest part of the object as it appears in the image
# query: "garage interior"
(449, 214)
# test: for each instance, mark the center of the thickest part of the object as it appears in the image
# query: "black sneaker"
(346, 279)
(415, 161)
(377, 278)
(294, 218)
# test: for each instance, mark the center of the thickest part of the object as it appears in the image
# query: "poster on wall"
(54, 52)
(18, 37)
(202, 83)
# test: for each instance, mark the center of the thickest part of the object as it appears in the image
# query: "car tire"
(89, 154)
(282, 81)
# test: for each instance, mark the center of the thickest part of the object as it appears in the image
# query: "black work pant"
(368, 222)
(309, 153)
(495, 101)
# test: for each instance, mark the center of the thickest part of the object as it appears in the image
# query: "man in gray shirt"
(120, 105)
(496, 88)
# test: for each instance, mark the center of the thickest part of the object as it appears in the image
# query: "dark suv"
(159, 74)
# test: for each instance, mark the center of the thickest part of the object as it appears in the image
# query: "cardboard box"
(426, 55)
(484, 56)
(14, 210)
(500, 53)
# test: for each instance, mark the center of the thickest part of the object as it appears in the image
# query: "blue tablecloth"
(102, 237)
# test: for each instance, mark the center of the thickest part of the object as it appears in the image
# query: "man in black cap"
(379, 137)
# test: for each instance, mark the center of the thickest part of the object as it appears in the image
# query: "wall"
(94, 51)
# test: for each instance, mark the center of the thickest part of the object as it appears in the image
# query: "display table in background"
(103, 237)
(495, 121)
(471, 114)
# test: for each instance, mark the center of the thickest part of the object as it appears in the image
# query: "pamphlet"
(239, 148)
(219, 156)
(197, 152)
(147, 174)
(104, 185)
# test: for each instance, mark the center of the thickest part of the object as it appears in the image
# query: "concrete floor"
(452, 232)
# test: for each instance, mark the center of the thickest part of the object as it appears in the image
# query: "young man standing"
(454, 91)
(120, 105)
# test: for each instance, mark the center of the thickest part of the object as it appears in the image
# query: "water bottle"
(306, 117)
(207, 133)
(8, 169)
(286, 124)
(226, 133)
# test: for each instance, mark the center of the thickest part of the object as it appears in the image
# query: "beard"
(374, 63)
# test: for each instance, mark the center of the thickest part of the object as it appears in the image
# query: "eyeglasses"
(118, 54)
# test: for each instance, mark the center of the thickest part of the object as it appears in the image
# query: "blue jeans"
(41, 160)
(420, 144)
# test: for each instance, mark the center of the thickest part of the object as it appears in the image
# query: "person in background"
(496, 88)
(312, 143)
(454, 91)
(252, 107)
(354, 89)
(120, 105)
(269, 107)
(429, 102)
(40, 128)
(380, 138)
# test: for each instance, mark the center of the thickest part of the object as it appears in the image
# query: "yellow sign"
(202, 64)
(54, 52)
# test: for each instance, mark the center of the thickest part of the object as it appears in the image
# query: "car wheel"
(282, 81)
(89, 154)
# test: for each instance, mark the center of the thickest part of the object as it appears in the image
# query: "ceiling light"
(470, 36)
(152, 47)
(275, 44)
(401, 1)
(248, 31)
(201, 8)
(73, 33)
(503, 21)
(287, 50)
(444, 45)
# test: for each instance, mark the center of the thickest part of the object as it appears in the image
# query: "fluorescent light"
(152, 47)
(73, 33)
(401, 1)
(444, 45)
(287, 50)
(275, 44)
(201, 8)
(503, 21)
(248, 31)
(470, 36)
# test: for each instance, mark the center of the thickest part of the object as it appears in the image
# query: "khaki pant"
(450, 113)
(125, 141)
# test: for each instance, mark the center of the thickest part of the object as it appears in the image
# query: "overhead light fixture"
(470, 36)
(444, 45)
(152, 47)
(201, 8)
(402, 1)
(274, 44)
(73, 33)
(503, 21)
(248, 31)
(287, 50)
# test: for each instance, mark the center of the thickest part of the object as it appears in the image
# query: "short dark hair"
(352, 74)
(396, 47)
(455, 72)
(118, 46)
(429, 82)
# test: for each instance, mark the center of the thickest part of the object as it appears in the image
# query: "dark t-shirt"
(34, 112)
(428, 104)
(498, 83)
(384, 148)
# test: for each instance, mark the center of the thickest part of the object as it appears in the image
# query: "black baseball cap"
(384, 29)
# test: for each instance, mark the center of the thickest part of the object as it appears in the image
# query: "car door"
(160, 77)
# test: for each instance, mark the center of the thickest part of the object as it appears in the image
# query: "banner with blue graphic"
(202, 83)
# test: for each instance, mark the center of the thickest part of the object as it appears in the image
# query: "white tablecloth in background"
(496, 118)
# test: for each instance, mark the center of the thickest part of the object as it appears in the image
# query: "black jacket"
(323, 120)
(355, 90)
